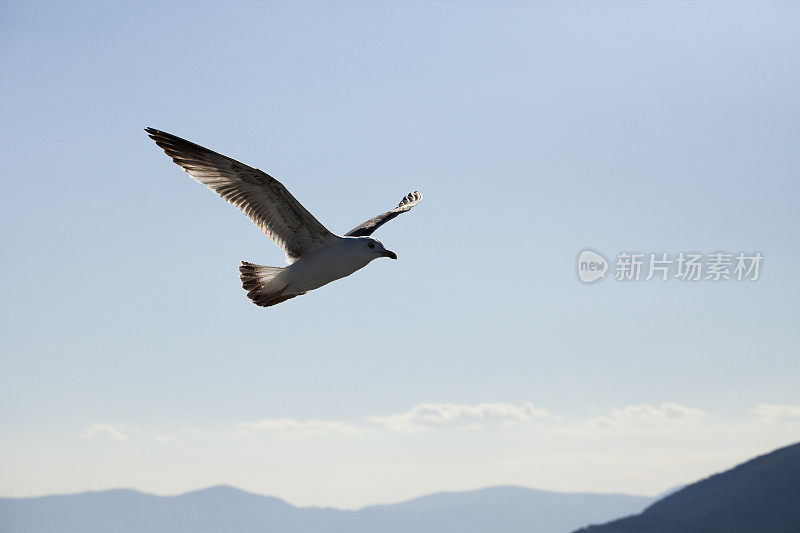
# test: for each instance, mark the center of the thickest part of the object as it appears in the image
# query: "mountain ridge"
(225, 508)
(761, 494)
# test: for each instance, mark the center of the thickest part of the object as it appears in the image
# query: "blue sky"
(131, 356)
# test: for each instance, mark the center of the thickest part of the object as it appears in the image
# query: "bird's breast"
(318, 269)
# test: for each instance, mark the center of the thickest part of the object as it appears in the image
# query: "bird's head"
(375, 247)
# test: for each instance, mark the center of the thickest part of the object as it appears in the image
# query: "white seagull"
(315, 255)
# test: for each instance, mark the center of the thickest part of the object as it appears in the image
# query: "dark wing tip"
(160, 136)
(181, 150)
(410, 200)
(369, 227)
(157, 135)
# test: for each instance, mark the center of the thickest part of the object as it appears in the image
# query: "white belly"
(316, 270)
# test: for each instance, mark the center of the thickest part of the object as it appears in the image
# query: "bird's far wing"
(260, 196)
(369, 227)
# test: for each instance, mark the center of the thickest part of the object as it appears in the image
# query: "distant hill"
(229, 510)
(761, 495)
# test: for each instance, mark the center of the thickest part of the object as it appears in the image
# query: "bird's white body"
(337, 258)
(340, 258)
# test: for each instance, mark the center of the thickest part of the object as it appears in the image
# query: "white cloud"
(316, 426)
(112, 431)
(776, 412)
(646, 415)
(429, 415)
(163, 438)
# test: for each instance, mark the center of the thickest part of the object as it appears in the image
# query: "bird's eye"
(371, 245)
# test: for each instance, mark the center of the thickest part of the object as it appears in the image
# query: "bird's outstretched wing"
(369, 227)
(260, 196)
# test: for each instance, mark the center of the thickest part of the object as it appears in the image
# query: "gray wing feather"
(260, 196)
(369, 227)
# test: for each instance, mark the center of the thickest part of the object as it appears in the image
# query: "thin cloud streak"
(426, 416)
(777, 412)
(647, 416)
(315, 426)
(102, 429)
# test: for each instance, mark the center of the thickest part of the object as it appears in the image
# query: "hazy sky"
(132, 357)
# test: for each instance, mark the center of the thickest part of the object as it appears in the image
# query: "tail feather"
(263, 284)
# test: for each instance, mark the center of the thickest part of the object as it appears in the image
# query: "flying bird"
(315, 255)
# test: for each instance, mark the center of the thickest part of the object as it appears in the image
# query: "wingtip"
(411, 199)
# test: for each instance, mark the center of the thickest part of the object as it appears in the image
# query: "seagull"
(315, 255)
